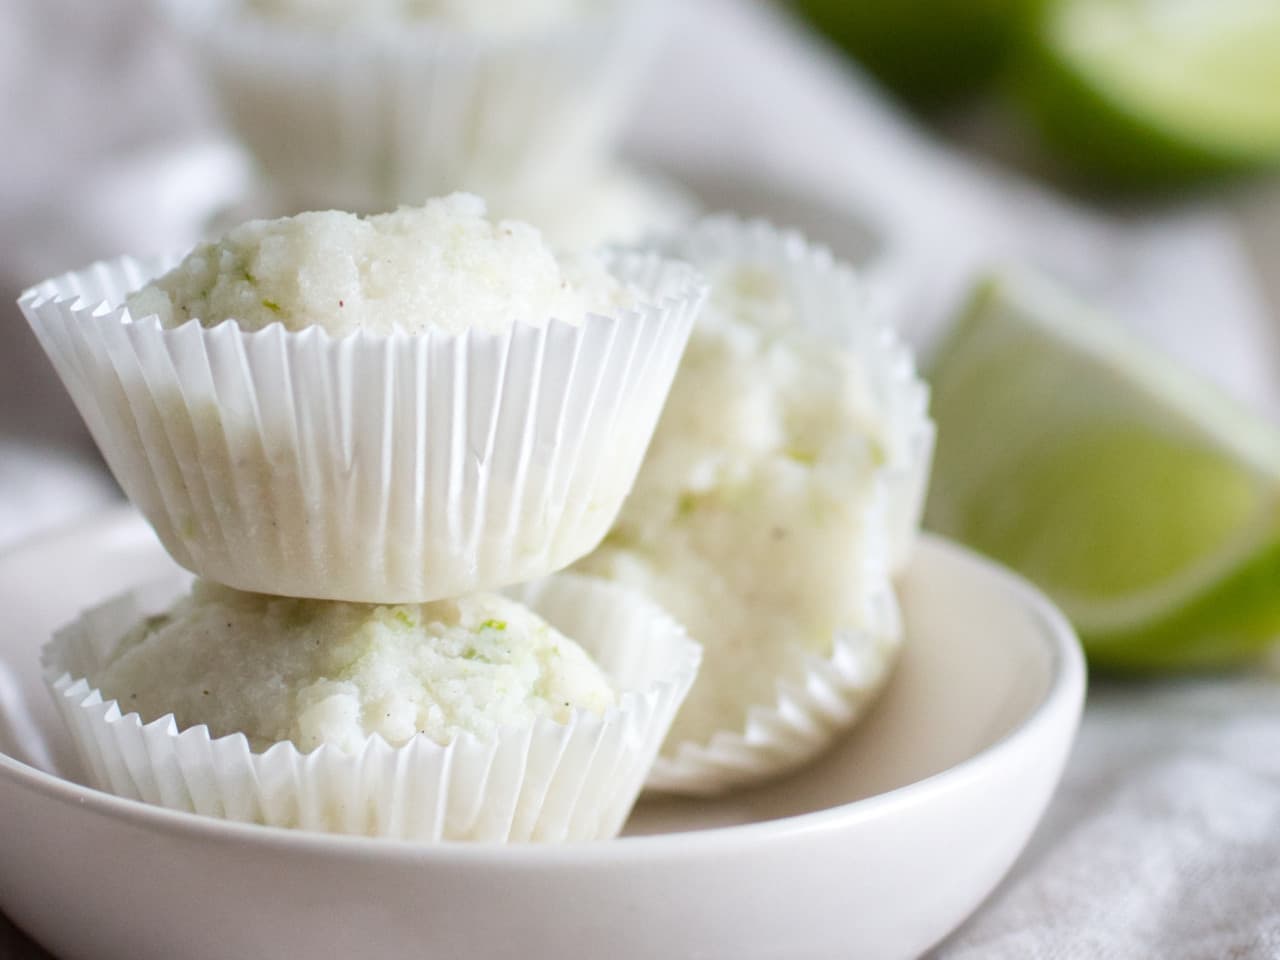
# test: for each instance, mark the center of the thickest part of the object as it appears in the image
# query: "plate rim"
(1064, 694)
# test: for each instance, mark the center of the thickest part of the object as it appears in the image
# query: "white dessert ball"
(324, 672)
(441, 267)
(752, 520)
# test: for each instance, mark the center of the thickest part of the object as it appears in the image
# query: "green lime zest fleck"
(494, 625)
(619, 538)
(154, 623)
(272, 306)
(299, 614)
(755, 283)
(819, 507)
(806, 457)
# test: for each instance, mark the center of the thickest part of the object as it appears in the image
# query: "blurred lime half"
(931, 52)
(1143, 500)
(1155, 92)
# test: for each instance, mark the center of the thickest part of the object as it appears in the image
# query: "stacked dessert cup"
(353, 430)
(378, 474)
(335, 485)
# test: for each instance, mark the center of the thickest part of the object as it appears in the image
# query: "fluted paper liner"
(832, 300)
(548, 782)
(810, 711)
(817, 697)
(371, 468)
(367, 118)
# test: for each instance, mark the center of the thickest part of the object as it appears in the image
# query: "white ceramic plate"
(878, 850)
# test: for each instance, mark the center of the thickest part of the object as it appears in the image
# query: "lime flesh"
(1157, 92)
(1142, 500)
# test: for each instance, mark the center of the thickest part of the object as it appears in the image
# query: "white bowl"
(877, 850)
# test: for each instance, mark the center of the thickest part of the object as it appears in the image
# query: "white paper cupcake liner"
(366, 119)
(372, 468)
(549, 782)
(833, 301)
(809, 714)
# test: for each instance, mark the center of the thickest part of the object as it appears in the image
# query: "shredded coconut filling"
(749, 519)
(323, 672)
(443, 266)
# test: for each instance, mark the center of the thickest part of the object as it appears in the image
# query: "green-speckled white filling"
(442, 266)
(749, 519)
(323, 672)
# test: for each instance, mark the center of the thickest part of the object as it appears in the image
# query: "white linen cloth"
(1164, 840)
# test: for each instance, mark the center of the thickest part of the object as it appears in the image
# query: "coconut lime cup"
(779, 497)
(475, 719)
(800, 285)
(365, 106)
(389, 410)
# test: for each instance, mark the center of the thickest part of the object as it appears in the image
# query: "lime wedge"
(1143, 500)
(931, 52)
(1157, 92)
